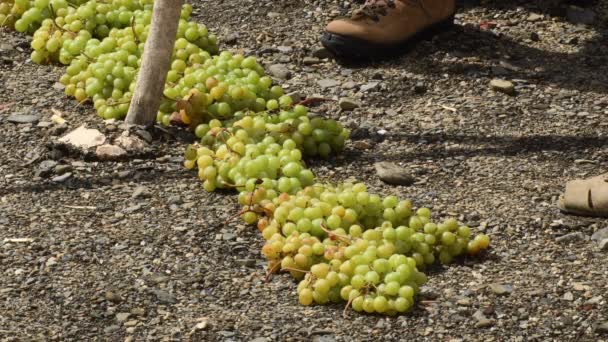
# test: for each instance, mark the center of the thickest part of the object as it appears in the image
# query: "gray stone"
(23, 118)
(501, 289)
(328, 83)
(394, 174)
(604, 245)
(62, 178)
(570, 237)
(246, 262)
(369, 86)
(228, 236)
(579, 15)
(110, 329)
(174, 200)
(482, 320)
(45, 168)
(110, 152)
(324, 338)
(164, 297)
(503, 86)
(311, 60)
(285, 49)
(279, 71)
(534, 17)
(600, 235)
(84, 138)
(260, 339)
(113, 297)
(273, 15)
(122, 316)
(141, 192)
(347, 103)
(63, 168)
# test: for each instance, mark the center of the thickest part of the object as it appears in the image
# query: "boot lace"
(375, 9)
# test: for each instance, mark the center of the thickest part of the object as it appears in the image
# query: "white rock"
(84, 138)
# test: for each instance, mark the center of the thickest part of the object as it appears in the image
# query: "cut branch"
(155, 63)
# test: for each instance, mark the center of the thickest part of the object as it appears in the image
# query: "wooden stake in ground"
(155, 63)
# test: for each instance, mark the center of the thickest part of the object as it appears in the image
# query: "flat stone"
(246, 262)
(482, 320)
(62, 178)
(347, 103)
(501, 289)
(285, 49)
(164, 297)
(369, 86)
(534, 17)
(327, 83)
(603, 245)
(503, 86)
(110, 152)
(570, 237)
(23, 118)
(260, 339)
(600, 235)
(110, 329)
(45, 168)
(84, 138)
(122, 316)
(394, 174)
(63, 168)
(311, 60)
(279, 71)
(113, 297)
(131, 323)
(141, 192)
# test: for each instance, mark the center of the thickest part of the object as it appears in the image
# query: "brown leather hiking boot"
(384, 28)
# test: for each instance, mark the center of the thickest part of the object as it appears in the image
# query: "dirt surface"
(136, 250)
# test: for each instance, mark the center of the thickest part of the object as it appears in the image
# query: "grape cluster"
(241, 155)
(325, 237)
(104, 70)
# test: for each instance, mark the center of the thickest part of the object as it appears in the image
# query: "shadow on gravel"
(144, 175)
(584, 70)
(499, 146)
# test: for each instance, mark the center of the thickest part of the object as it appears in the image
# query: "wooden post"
(155, 63)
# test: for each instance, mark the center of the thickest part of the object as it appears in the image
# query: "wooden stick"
(155, 63)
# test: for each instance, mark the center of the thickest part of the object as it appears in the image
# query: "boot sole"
(359, 50)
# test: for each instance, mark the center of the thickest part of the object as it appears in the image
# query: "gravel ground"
(136, 250)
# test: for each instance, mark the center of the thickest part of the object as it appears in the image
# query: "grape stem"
(334, 235)
(271, 271)
(348, 304)
(133, 30)
(312, 100)
(293, 270)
